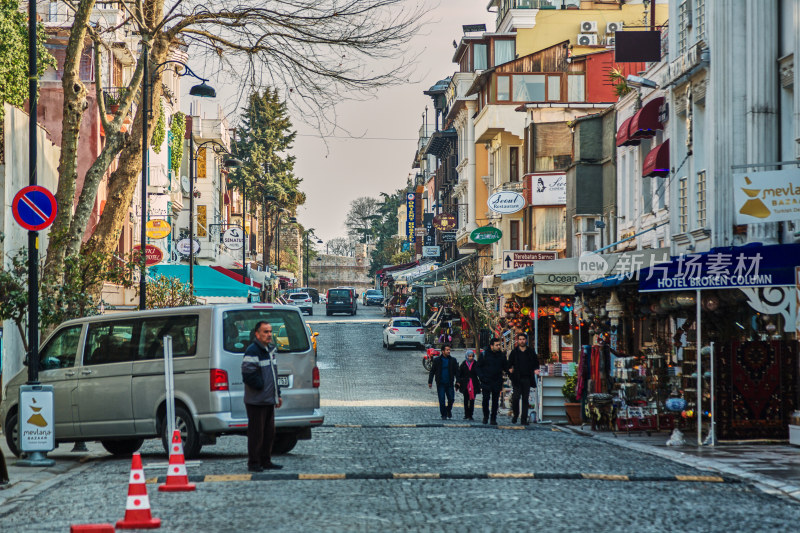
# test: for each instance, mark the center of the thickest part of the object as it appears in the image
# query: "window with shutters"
(701, 199)
(683, 205)
(513, 164)
(513, 231)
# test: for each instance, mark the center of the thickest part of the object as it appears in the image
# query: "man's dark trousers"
(446, 390)
(260, 434)
(494, 392)
(522, 388)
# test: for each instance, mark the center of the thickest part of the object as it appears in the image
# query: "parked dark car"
(373, 297)
(340, 301)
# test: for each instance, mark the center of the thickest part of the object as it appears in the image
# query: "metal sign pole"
(712, 435)
(699, 406)
(169, 382)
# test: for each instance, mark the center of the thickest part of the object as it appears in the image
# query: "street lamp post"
(201, 90)
(319, 241)
(229, 162)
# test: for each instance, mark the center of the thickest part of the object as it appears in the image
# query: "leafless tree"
(340, 246)
(359, 221)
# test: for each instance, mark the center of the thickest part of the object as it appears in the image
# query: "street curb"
(338, 476)
(11, 504)
(454, 425)
(764, 483)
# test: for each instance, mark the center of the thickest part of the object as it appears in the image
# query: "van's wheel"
(12, 433)
(122, 447)
(189, 434)
(284, 443)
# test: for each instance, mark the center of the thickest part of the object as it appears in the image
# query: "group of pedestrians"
(486, 376)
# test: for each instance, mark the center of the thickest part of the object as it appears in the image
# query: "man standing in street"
(444, 369)
(262, 396)
(491, 366)
(523, 365)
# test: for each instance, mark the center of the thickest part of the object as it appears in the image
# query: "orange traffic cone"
(177, 480)
(137, 509)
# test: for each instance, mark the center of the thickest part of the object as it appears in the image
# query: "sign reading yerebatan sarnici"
(506, 202)
(724, 268)
(411, 212)
(769, 196)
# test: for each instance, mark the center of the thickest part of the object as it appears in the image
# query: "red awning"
(645, 122)
(622, 132)
(238, 277)
(656, 164)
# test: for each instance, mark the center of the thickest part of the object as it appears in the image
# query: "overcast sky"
(349, 168)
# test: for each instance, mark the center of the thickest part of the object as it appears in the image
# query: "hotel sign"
(768, 196)
(411, 204)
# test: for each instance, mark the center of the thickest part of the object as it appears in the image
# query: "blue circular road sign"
(34, 208)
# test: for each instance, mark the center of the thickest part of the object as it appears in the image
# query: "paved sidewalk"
(773, 468)
(25, 482)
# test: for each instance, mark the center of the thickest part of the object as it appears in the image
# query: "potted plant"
(571, 404)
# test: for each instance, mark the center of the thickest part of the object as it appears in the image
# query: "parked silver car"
(108, 376)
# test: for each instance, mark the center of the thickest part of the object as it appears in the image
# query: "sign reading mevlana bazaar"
(768, 196)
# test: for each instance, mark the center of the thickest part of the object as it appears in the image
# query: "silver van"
(108, 375)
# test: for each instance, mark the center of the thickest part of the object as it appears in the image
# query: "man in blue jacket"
(262, 396)
(444, 369)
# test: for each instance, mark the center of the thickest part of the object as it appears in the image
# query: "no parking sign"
(34, 208)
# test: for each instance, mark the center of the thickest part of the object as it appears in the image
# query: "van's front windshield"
(288, 332)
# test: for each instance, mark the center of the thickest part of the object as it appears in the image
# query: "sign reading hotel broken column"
(768, 196)
(411, 214)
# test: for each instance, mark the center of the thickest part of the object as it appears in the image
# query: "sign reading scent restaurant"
(768, 196)
(486, 235)
(411, 213)
(506, 202)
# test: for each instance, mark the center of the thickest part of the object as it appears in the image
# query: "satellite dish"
(185, 184)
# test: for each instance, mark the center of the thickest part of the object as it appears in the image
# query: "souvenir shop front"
(738, 305)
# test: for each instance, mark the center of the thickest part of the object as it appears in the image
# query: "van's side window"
(60, 352)
(183, 330)
(111, 342)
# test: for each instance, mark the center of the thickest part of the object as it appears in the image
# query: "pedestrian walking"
(491, 366)
(262, 396)
(444, 369)
(468, 383)
(523, 366)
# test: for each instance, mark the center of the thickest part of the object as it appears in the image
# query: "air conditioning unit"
(611, 27)
(589, 26)
(611, 41)
(587, 39)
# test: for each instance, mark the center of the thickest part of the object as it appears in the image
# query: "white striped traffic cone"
(177, 479)
(137, 508)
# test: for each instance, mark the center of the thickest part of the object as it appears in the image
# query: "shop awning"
(395, 268)
(517, 287)
(645, 123)
(735, 267)
(556, 277)
(207, 281)
(623, 137)
(656, 164)
(235, 276)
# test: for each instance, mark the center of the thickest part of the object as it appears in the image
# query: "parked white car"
(403, 331)
(303, 301)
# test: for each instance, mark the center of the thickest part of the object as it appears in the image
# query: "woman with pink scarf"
(468, 383)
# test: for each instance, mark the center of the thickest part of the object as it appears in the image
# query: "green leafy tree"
(465, 296)
(169, 292)
(160, 131)
(265, 139)
(178, 131)
(384, 228)
(14, 54)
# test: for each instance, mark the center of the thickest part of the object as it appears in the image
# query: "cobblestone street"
(403, 468)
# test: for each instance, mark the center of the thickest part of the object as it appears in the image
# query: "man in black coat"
(491, 366)
(523, 365)
(444, 369)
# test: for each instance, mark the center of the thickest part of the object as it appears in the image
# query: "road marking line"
(510, 427)
(210, 478)
(321, 476)
(606, 477)
(348, 426)
(421, 475)
(457, 425)
(151, 480)
(402, 425)
(510, 475)
(709, 479)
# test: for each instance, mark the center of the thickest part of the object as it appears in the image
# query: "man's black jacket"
(491, 366)
(436, 370)
(524, 364)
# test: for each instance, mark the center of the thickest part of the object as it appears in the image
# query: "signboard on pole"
(34, 208)
(183, 246)
(153, 254)
(448, 236)
(411, 215)
(233, 238)
(158, 229)
(421, 232)
(547, 189)
(767, 196)
(444, 222)
(521, 258)
(506, 202)
(36, 421)
(431, 251)
(486, 235)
